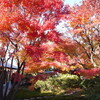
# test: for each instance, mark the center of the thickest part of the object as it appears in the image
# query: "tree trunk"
(1, 90)
(2, 80)
(92, 60)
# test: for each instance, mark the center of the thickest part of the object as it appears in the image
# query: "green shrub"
(55, 83)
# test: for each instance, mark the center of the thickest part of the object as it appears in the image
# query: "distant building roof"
(8, 66)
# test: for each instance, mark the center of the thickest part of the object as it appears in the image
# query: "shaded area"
(86, 90)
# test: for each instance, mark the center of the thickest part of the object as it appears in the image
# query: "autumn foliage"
(26, 28)
(29, 37)
(85, 22)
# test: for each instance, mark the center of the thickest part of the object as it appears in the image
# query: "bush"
(61, 82)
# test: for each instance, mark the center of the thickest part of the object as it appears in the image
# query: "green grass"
(26, 94)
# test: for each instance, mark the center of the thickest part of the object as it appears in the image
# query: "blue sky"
(72, 2)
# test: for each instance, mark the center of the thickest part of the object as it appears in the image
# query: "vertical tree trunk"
(92, 60)
(1, 90)
(1, 85)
